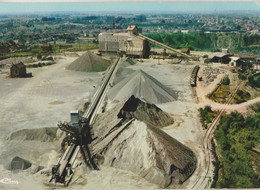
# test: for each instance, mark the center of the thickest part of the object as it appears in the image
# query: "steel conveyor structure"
(64, 170)
(164, 46)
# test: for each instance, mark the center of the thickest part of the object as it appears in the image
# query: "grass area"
(74, 47)
(236, 136)
(220, 94)
(206, 116)
(241, 96)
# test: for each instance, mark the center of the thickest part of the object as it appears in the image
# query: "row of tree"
(210, 41)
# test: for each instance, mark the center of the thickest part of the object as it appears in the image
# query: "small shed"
(19, 70)
(185, 50)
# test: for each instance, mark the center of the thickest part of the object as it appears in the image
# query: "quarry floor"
(48, 97)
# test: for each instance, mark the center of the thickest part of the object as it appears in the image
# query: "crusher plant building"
(129, 43)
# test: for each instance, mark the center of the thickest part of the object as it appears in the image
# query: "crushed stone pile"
(210, 74)
(149, 113)
(72, 54)
(143, 149)
(142, 86)
(15, 60)
(41, 134)
(123, 71)
(18, 163)
(89, 62)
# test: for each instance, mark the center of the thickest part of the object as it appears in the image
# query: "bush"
(39, 56)
(254, 81)
(235, 136)
(239, 92)
(241, 96)
(226, 80)
(206, 116)
(242, 76)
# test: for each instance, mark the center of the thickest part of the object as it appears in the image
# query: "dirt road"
(37, 102)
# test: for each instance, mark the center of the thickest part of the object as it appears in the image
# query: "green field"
(220, 94)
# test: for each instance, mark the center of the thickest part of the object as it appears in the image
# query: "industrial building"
(220, 58)
(129, 43)
(19, 70)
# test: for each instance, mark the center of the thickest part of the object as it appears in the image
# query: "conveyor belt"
(62, 172)
(164, 46)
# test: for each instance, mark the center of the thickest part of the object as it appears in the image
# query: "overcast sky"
(126, 6)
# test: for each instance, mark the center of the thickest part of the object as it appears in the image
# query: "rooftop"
(132, 27)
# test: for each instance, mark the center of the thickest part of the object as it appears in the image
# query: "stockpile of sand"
(89, 62)
(142, 86)
(42, 134)
(149, 113)
(142, 149)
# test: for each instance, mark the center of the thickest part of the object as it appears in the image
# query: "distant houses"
(242, 60)
(46, 47)
(19, 71)
(10, 46)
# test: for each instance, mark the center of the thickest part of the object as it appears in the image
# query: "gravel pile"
(142, 148)
(148, 113)
(15, 60)
(41, 134)
(123, 71)
(210, 74)
(142, 86)
(89, 62)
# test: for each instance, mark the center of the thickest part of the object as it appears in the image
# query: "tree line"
(235, 136)
(210, 41)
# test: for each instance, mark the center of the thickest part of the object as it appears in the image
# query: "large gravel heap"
(142, 148)
(89, 62)
(41, 134)
(123, 70)
(142, 86)
(148, 113)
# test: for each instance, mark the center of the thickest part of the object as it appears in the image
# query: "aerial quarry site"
(128, 115)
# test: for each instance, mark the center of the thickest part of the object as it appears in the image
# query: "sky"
(88, 7)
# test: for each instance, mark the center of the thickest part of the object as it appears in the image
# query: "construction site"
(114, 118)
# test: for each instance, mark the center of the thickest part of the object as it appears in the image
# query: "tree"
(226, 80)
